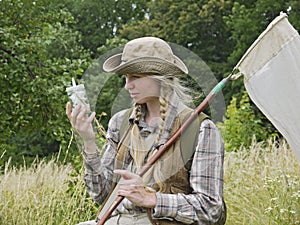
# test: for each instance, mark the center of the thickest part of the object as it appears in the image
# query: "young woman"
(174, 190)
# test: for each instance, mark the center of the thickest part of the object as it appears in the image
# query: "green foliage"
(242, 125)
(294, 12)
(248, 21)
(111, 44)
(39, 55)
(98, 21)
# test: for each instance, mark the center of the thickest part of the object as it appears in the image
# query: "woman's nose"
(128, 84)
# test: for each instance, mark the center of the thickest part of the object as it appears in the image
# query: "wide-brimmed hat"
(146, 55)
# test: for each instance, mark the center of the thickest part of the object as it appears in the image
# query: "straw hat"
(148, 55)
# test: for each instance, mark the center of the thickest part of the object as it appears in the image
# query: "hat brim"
(144, 65)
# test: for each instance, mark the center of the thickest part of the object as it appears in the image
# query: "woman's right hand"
(82, 122)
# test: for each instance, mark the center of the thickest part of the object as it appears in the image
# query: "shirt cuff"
(89, 156)
(167, 206)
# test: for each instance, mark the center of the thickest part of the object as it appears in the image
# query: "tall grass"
(262, 186)
(41, 194)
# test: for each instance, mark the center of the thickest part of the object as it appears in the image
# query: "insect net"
(271, 69)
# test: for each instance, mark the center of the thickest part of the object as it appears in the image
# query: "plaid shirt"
(204, 205)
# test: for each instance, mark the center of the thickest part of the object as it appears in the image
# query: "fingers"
(78, 116)
(126, 174)
(129, 181)
(68, 109)
(82, 115)
(133, 188)
(79, 113)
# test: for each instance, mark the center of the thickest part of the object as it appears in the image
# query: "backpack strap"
(189, 138)
(125, 124)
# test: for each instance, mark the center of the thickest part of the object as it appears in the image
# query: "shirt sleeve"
(99, 171)
(205, 204)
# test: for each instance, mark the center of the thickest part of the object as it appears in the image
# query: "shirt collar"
(175, 107)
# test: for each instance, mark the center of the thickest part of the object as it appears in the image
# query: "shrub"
(241, 125)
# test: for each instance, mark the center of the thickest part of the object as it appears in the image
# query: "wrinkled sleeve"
(99, 171)
(205, 204)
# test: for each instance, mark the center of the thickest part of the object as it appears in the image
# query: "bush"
(242, 125)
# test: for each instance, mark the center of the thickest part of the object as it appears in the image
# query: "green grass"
(262, 186)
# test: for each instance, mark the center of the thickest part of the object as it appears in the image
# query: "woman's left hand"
(133, 188)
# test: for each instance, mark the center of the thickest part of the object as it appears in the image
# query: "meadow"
(262, 187)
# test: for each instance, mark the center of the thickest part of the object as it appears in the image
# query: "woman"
(173, 191)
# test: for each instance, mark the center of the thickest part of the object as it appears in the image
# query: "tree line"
(43, 44)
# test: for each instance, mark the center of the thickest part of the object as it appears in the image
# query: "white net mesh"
(271, 69)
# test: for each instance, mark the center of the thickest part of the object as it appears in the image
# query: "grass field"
(262, 186)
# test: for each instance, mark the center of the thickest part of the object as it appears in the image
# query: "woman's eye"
(133, 77)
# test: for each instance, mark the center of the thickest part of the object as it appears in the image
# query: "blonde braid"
(159, 178)
(163, 115)
(138, 113)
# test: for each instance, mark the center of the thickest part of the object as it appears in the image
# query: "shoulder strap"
(125, 123)
(189, 138)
